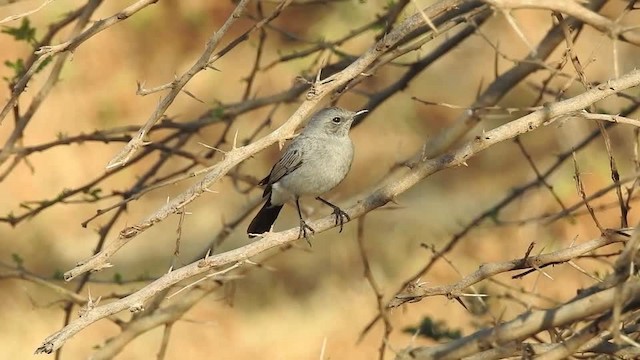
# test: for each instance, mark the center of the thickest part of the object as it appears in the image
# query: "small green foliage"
(435, 330)
(390, 4)
(58, 275)
(17, 259)
(27, 33)
(24, 32)
(217, 113)
(17, 66)
(94, 194)
(117, 277)
(19, 69)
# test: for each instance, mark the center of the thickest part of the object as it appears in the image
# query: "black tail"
(264, 219)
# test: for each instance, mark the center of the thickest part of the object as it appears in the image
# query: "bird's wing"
(290, 161)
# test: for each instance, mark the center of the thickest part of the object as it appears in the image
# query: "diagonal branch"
(237, 155)
(176, 87)
(46, 52)
(526, 325)
(379, 197)
(420, 291)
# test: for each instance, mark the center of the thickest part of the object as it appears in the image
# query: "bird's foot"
(303, 231)
(338, 213)
(341, 217)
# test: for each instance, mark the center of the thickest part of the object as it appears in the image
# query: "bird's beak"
(361, 112)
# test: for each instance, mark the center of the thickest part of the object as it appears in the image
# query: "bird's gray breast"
(326, 160)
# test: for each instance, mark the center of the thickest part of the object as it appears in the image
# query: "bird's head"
(332, 121)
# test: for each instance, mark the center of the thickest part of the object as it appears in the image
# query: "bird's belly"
(318, 177)
(315, 182)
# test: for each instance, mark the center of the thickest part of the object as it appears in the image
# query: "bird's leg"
(337, 212)
(303, 225)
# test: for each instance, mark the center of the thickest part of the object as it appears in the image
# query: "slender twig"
(378, 198)
(382, 310)
(200, 64)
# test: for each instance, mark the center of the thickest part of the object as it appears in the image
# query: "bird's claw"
(340, 217)
(303, 231)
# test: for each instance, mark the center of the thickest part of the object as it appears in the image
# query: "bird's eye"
(336, 120)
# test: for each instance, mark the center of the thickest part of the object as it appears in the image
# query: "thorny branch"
(378, 198)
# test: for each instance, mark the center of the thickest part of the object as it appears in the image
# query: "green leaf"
(217, 112)
(117, 277)
(17, 259)
(25, 32)
(58, 275)
(433, 329)
(389, 4)
(17, 66)
(94, 193)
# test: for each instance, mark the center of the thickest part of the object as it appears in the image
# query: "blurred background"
(305, 301)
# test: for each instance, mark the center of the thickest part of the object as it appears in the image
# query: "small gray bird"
(313, 163)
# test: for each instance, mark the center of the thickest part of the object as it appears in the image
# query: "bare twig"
(382, 310)
(378, 198)
(176, 86)
(26, 13)
(417, 292)
(525, 325)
